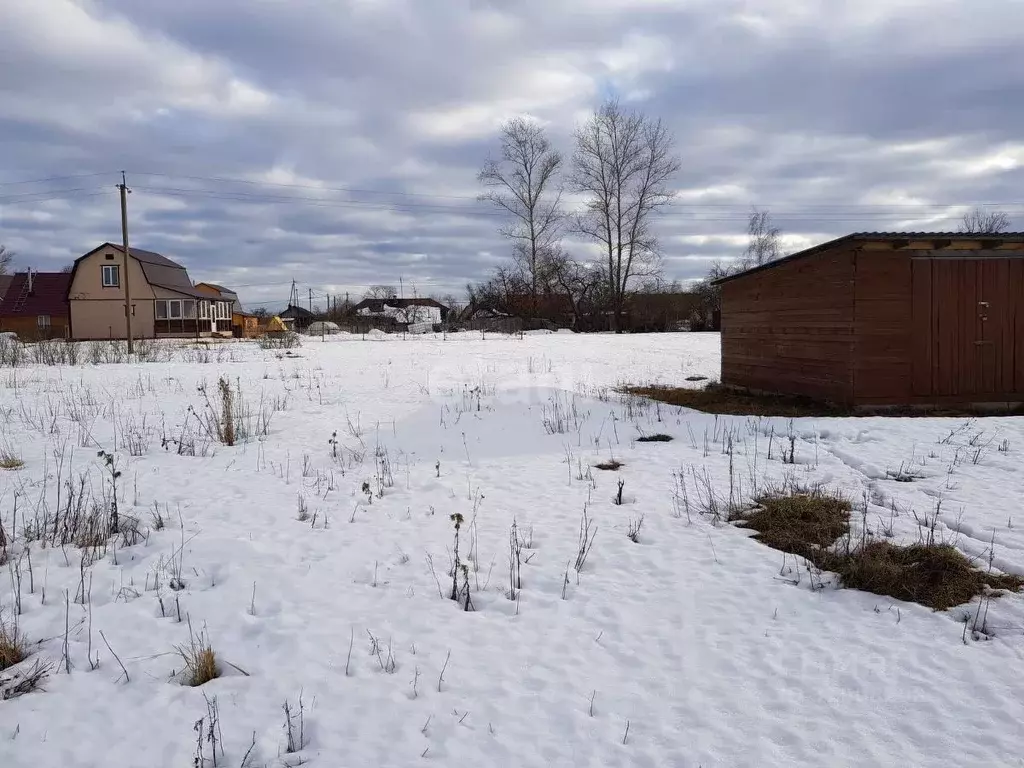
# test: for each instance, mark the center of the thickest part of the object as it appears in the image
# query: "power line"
(367, 191)
(836, 213)
(312, 202)
(63, 195)
(55, 178)
(352, 190)
(705, 211)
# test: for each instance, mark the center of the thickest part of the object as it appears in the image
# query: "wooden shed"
(882, 319)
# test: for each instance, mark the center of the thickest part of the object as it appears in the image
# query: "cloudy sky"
(336, 142)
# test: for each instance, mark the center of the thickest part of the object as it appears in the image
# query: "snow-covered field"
(693, 646)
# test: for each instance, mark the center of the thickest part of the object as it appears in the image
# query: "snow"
(696, 638)
(416, 313)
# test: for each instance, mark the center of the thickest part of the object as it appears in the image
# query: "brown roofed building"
(243, 324)
(35, 305)
(164, 303)
(882, 319)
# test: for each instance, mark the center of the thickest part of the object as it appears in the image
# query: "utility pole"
(123, 186)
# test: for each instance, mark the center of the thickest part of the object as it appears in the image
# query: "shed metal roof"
(1001, 237)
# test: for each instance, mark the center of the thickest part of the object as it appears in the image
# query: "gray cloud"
(837, 116)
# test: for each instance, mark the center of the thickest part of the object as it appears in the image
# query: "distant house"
(164, 303)
(35, 305)
(243, 324)
(670, 311)
(296, 318)
(400, 314)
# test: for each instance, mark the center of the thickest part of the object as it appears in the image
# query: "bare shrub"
(228, 419)
(634, 529)
(108, 352)
(136, 435)
(12, 352)
(586, 540)
(149, 351)
(26, 681)
(55, 352)
(280, 341)
(294, 727)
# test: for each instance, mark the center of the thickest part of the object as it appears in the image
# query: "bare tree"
(980, 221)
(709, 297)
(623, 164)
(580, 283)
(764, 239)
(381, 292)
(524, 183)
(6, 258)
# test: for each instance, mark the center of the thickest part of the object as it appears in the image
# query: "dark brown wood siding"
(883, 327)
(28, 328)
(966, 342)
(789, 329)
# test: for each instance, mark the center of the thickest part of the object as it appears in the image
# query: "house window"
(189, 309)
(222, 311)
(161, 309)
(174, 309)
(111, 276)
(43, 321)
(204, 310)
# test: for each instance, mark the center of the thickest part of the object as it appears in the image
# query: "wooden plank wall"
(920, 339)
(884, 319)
(790, 329)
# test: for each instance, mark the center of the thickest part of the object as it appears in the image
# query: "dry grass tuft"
(802, 523)
(611, 465)
(937, 575)
(9, 461)
(200, 661)
(816, 525)
(13, 649)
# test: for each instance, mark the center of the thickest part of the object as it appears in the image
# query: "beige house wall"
(105, 319)
(88, 282)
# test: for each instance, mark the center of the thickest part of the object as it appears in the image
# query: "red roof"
(49, 295)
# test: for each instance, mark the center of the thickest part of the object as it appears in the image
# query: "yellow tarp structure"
(274, 325)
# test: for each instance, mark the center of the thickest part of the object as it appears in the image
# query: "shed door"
(966, 326)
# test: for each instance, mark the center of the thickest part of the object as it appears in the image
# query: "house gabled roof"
(49, 295)
(879, 237)
(295, 312)
(377, 305)
(226, 292)
(160, 271)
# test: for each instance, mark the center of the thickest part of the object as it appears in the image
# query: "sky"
(336, 143)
